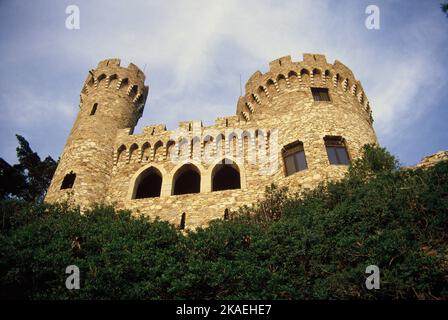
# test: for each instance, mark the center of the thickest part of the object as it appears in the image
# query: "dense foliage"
(312, 246)
(30, 178)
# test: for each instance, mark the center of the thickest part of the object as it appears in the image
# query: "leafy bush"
(316, 246)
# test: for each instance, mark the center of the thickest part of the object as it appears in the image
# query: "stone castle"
(297, 125)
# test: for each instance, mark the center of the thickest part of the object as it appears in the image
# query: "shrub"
(316, 246)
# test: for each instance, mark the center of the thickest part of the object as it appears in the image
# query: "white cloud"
(195, 51)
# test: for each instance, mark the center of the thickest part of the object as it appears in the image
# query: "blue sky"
(195, 52)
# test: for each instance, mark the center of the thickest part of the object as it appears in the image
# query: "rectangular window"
(294, 157)
(320, 94)
(300, 160)
(336, 151)
(290, 165)
(331, 151)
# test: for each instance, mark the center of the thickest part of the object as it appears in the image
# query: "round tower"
(112, 98)
(321, 114)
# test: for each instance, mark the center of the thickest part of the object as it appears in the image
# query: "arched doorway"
(187, 180)
(226, 176)
(149, 184)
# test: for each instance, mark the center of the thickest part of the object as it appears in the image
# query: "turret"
(286, 77)
(112, 98)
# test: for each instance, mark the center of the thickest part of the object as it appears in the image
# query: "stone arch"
(136, 179)
(225, 175)
(260, 146)
(270, 85)
(121, 153)
(281, 82)
(146, 151)
(148, 184)
(208, 148)
(220, 145)
(100, 78)
(293, 77)
(317, 76)
(158, 151)
(261, 93)
(208, 175)
(247, 146)
(305, 76)
(327, 76)
(233, 144)
(186, 180)
(336, 79)
(171, 150)
(113, 79)
(133, 152)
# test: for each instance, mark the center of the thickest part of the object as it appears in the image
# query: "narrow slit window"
(95, 106)
(183, 219)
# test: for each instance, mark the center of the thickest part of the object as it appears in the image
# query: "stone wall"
(433, 159)
(116, 96)
(277, 109)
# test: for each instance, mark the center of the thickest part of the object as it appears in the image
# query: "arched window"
(68, 181)
(148, 184)
(158, 151)
(95, 106)
(133, 152)
(171, 150)
(187, 180)
(120, 153)
(146, 150)
(101, 78)
(226, 176)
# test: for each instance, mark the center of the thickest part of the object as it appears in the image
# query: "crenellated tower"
(297, 125)
(112, 98)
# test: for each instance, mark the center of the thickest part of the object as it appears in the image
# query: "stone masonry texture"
(277, 109)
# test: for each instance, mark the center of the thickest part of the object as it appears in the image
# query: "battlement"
(195, 173)
(115, 63)
(109, 75)
(285, 76)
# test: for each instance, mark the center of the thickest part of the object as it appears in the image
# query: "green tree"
(444, 7)
(315, 245)
(30, 178)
